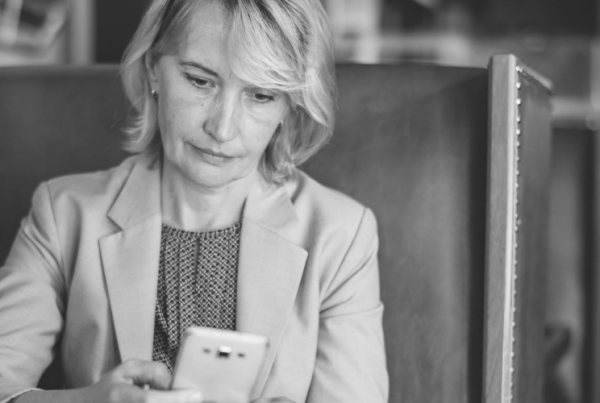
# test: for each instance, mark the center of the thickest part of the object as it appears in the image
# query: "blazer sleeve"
(350, 364)
(32, 300)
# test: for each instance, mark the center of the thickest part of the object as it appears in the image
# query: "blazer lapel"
(130, 259)
(269, 273)
(270, 269)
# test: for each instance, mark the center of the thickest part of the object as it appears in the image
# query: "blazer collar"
(130, 259)
(269, 271)
(140, 196)
(268, 206)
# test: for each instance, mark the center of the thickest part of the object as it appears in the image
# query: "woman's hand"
(273, 400)
(126, 384)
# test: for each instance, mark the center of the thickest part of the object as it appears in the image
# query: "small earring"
(154, 94)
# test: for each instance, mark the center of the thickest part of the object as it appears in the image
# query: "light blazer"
(83, 273)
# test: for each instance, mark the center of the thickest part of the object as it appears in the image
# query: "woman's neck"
(191, 207)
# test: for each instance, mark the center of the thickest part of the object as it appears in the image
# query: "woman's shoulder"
(330, 224)
(91, 187)
(327, 205)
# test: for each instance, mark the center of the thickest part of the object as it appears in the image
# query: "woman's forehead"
(218, 38)
(206, 33)
(207, 22)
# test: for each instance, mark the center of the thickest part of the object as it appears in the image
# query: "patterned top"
(197, 283)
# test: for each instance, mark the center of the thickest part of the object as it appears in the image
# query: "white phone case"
(222, 364)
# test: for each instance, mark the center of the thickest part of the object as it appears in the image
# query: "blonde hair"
(282, 45)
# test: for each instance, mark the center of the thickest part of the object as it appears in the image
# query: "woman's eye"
(199, 82)
(262, 98)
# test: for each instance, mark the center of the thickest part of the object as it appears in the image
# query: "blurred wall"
(116, 22)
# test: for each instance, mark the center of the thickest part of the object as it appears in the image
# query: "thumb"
(149, 373)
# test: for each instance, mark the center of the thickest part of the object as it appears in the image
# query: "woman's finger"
(138, 395)
(174, 396)
(149, 373)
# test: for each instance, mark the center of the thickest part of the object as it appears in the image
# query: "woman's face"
(214, 127)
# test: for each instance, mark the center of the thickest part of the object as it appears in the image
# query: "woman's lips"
(212, 154)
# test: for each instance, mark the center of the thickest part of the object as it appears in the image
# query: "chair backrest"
(454, 162)
(53, 121)
(412, 142)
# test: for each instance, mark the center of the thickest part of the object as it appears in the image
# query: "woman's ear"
(151, 63)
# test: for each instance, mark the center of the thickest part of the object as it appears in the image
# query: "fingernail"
(195, 397)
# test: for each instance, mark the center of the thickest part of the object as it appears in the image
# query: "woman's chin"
(215, 177)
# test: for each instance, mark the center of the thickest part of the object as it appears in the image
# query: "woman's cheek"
(266, 122)
(178, 120)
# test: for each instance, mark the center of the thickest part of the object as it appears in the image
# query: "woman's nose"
(221, 119)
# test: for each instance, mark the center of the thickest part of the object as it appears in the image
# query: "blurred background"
(557, 38)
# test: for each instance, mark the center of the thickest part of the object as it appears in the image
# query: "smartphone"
(223, 365)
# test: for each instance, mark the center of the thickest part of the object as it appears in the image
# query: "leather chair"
(454, 162)
(433, 150)
(573, 283)
(54, 121)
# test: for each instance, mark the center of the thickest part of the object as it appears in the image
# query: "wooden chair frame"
(515, 255)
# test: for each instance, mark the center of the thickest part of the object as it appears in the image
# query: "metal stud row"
(517, 223)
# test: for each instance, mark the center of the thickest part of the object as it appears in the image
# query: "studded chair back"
(517, 222)
(454, 163)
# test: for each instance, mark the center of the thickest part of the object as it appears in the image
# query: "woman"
(209, 224)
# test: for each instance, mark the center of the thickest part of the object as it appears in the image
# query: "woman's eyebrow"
(199, 66)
